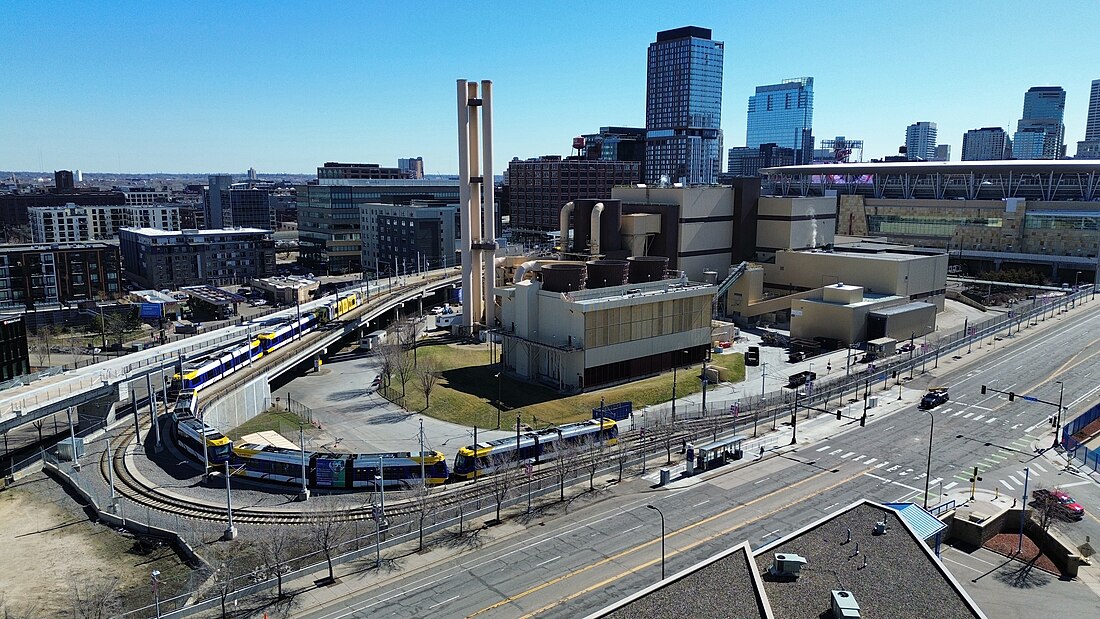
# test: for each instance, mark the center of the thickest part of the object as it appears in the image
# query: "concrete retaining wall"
(240, 405)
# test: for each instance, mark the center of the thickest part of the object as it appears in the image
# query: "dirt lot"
(50, 549)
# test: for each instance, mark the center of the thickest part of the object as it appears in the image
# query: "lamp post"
(674, 364)
(1058, 419)
(230, 531)
(155, 581)
(658, 510)
(1023, 511)
(928, 465)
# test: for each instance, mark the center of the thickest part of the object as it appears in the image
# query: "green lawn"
(282, 421)
(467, 389)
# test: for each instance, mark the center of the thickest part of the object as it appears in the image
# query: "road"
(604, 551)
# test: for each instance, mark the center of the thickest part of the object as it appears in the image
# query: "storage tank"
(563, 276)
(647, 268)
(606, 273)
(710, 276)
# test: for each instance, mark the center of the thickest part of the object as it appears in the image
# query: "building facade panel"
(42, 275)
(157, 259)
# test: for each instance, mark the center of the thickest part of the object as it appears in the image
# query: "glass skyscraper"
(1044, 109)
(783, 114)
(683, 112)
(920, 141)
(1089, 148)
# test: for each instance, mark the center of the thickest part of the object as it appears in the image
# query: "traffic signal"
(1011, 397)
(983, 389)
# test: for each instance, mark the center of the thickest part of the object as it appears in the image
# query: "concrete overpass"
(111, 378)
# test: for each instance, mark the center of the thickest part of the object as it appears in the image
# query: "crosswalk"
(970, 415)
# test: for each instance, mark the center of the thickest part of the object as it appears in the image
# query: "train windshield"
(219, 452)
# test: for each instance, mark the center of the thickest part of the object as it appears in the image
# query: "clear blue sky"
(286, 86)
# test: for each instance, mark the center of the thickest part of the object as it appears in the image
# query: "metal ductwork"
(594, 231)
(521, 271)
(563, 219)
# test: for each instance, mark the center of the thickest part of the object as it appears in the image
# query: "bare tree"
(277, 549)
(424, 504)
(223, 559)
(327, 530)
(591, 452)
(95, 599)
(621, 454)
(388, 352)
(564, 455)
(1047, 508)
(505, 476)
(403, 367)
(11, 611)
(427, 377)
(665, 433)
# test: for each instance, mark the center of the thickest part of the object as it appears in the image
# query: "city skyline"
(224, 88)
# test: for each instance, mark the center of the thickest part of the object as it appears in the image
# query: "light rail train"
(533, 447)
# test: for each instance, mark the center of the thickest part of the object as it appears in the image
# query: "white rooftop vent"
(786, 564)
(844, 605)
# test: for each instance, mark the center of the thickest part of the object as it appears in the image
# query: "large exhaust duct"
(594, 229)
(563, 219)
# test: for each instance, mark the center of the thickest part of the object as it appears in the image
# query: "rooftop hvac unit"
(787, 565)
(844, 605)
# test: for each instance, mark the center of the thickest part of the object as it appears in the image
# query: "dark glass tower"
(683, 112)
(783, 114)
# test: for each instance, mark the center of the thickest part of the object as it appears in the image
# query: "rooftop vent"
(786, 564)
(844, 605)
(880, 527)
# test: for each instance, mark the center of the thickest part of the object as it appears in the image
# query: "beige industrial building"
(286, 290)
(845, 314)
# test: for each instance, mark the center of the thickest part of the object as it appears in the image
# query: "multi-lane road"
(604, 550)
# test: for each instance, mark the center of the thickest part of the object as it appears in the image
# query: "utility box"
(69, 450)
(872, 401)
(666, 476)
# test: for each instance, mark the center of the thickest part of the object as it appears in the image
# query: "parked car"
(906, 347)
(934, 398)
(1067, 505)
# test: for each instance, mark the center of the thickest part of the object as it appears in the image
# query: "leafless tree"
(95, 599)
(277, 548)
(403, 367)
(427, 377)
(11, 611)
(1047, 508)
(327, 531)
(388, 353)
(591, 457)
(222, 558)
(665, 433)
(505, 476)
(621, 453)
(564, 455)
(424, 504)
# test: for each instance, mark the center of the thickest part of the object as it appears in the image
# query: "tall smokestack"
(476, 204)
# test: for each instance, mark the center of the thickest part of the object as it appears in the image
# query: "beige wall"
(789, 234)
(911, 275)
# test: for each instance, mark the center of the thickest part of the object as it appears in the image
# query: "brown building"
(334, 170)
(13, 206)
(538, 188)
(32, 275)
(14, 354)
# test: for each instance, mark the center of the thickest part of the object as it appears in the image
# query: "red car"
(1067, 504)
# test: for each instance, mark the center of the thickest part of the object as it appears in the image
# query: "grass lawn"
(282, 421)
(467, 389)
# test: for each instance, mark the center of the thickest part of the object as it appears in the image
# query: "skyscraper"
(985, 144)
(783, 114)
(1044, 110)
(920, 141)
(683, 109)
(1089, 148)
(413, 167)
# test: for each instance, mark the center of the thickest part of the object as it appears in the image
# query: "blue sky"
(286, 86)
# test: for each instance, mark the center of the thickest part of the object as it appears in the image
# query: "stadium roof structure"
(1042, 179)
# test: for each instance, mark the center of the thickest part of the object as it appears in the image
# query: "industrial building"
(286, 290)
(988, 215)
(537, 188)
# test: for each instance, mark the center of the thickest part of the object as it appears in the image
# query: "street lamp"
(155, 581)
(656, 509)
(928, 466)
(1058, 419)
(675, 365)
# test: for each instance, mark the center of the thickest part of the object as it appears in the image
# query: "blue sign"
(617, 411)
(1029, 398)
(152, 310)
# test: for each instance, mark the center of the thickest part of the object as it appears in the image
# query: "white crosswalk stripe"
(958, 413)
(1006, 484)
(950, 485)
(858, 458)
(1038, 466)
(823, 449)
(848, 455)
(1015, 481)
(979, 416)
(935, 481)
(967, 416)
(870, 460)
(835, 452)
(882, 464)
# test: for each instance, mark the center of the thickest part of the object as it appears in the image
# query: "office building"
(15, 359)
(158, 259)
(412, 167)
(405, 238)
(249, 204)
(745, 161)
(35, 275)
(1089, 148)
(144, 196)
(1044, 111)
(783, 114)
(538, 188)
(684, 107)
(329, 240)
(943, 152)
(358, 171)
(72, 223)
(920, 141)
(615, 144)
(1029, 144)
(63, 181)
(13, 206)
(986, 144)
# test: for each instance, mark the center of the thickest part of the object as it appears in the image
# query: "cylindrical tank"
(647, 268)
(563, 276)
(710, 277)
(605, 273)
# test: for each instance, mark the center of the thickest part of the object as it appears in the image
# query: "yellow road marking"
(628, 551)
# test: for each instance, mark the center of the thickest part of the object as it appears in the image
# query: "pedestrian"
(828, 367)
(761, 452)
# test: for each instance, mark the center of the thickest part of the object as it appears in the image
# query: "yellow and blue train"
(212, 365)
(534, 447)
(192, 435)
(399, 471)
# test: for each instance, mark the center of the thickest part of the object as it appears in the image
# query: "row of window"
(625, 324)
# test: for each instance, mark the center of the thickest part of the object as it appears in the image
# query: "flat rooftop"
(1017, 166)
(205, 232)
